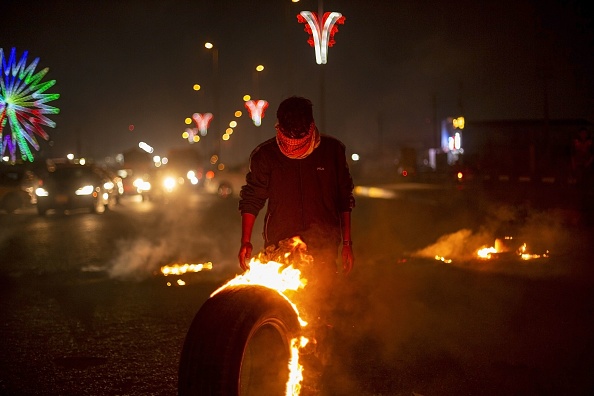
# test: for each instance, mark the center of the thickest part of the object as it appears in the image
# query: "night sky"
(397, 66)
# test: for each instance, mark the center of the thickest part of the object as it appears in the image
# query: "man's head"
(295, 116)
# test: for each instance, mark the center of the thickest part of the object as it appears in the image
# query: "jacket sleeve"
(346, 200)
(254, 193)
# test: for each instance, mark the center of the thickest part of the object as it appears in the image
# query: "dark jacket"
(305, 196)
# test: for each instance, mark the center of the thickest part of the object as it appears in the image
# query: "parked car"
(17, 185)
(74, 186)
(135, 182)
(116, 180)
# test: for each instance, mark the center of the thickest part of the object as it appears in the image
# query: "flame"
(270, 275)
(295, 368)
(500, 247)
(180, 269)
(530, 256)
(445, 260)
(274, 269)
(485, 253)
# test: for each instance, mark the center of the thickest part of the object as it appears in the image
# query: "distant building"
(520, 147)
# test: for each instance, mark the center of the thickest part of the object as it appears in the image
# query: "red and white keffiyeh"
(298, 148)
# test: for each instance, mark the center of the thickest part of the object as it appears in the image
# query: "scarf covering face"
(298, 148)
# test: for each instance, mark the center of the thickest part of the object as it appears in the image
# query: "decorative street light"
(256, 109)
(321, 32)
(202, 122)
(192, 135)
(321, 27)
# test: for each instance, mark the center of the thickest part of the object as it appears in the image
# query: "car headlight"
(86, 190)
(41, 192)
(108, 185)
(169, 183)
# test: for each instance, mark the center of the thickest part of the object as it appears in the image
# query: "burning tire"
(239, 344)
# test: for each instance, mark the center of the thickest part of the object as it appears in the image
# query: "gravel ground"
(405, 323)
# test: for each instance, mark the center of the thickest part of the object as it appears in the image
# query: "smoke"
(138, 259)
(551, 230)
(460, 245)
(179, 234)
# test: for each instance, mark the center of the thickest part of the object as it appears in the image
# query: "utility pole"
(434, 123)
(322, 77)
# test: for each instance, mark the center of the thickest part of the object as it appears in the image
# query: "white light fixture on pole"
(321, 31)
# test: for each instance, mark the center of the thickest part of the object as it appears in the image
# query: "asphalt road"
(85, 310)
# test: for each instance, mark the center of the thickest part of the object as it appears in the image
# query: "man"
(582, 156)
(305, 179)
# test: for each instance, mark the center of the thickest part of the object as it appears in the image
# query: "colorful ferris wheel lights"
(23, 105)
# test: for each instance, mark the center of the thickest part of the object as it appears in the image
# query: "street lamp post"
(258, 111)
(216, 94)
(256, 81)
(321, 29)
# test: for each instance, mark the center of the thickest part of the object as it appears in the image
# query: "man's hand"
(245, 253)
(348, 260)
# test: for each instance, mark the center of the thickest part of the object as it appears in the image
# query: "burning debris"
(463, 246)
(502, 248)
(506, 248)
(445, 260)
(180, 269)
